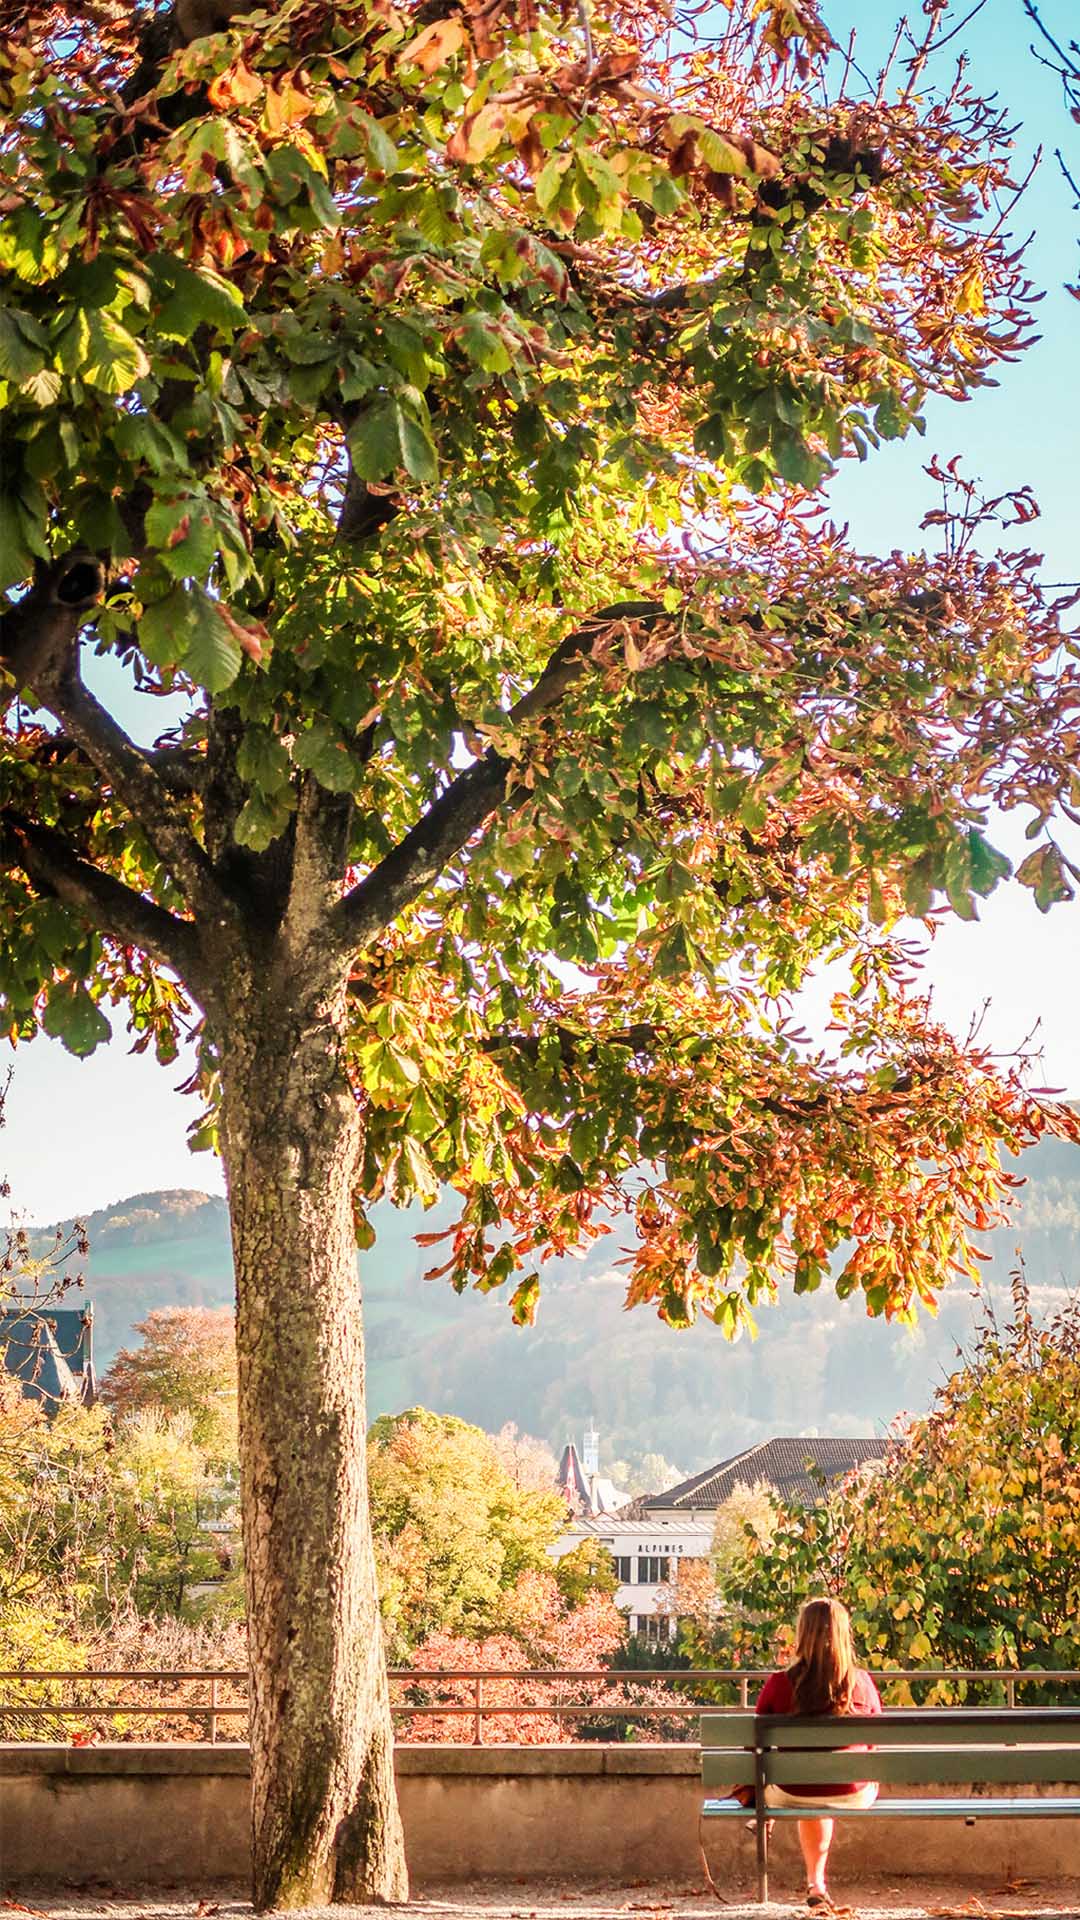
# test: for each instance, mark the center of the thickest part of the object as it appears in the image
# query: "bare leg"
(815, 1839)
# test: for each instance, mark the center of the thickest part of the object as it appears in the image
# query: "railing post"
(213, 1709)
(478, 1712)
(744, 1691)
(1010, 1690)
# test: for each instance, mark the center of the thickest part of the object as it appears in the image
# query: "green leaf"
(192, 297)
(796, 462)
(140, 437)
(524, 1301)
(100, 351)
(22, 347)
(263, 818)
(418, 1169)
(720, 155)
(483, 343)
(388, 436)
(72, 1017)
(184, 535)
(187, 629)
(550, 179)
(43, 387)
(321, 750)
(988, 866)
(262, 761)
(382, 152)
(891, 418)
(1044, 872)
(16, 555)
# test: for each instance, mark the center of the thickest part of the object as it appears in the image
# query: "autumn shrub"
(959, 1549)
(165, 1646)
(543, 1629)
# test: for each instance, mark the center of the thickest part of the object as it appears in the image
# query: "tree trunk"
(325, 1821)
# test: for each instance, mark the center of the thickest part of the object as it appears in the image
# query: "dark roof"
(571, 1481)
(782, 1464)
(50, 1352)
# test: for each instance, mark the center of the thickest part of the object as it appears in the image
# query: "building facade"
(647, 1554)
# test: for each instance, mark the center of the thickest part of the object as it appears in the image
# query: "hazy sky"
(81, 1134)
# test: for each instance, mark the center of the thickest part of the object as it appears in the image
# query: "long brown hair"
(823, 1669)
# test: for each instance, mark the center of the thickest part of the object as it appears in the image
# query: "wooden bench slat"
(1021, 1808)
(728, 1769)
(926, 1727)
(727, 1729)
(936, 1765)
(963, 1766)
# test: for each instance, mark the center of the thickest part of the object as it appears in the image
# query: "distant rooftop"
(631, 1518)
(782, 1464)
(585, 1492)
(50, 1352)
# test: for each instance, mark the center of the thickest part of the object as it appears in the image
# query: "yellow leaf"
(286, 103)
(971, 296)
(236, 87)
(434, 47)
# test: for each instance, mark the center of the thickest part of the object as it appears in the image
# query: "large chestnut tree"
(431, 399)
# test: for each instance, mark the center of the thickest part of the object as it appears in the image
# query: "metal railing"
(73, 1705)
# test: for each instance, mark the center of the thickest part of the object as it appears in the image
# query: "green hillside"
(818, 1365)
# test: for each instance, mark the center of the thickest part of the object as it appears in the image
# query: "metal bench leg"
(761, 1830)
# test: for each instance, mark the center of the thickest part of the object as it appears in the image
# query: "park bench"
(927, 1746)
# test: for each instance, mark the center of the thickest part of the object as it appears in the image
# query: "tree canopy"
(453, 1530)
(185, 1364)
(421, 409)
(377, 355)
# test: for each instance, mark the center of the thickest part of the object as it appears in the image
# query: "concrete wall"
(161, 1815)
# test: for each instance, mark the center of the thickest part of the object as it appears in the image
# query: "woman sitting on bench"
(821, 1678)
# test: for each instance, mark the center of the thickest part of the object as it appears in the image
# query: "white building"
(649, 1537)
(647, 1555)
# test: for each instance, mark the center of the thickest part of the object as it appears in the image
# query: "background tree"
(587, 1568)
(453, 1531)
(186, 1364)
(57, 1527)
(546, 1628)
(167, 1493)
(529, 1461)
(388, 390)
(645, 1473)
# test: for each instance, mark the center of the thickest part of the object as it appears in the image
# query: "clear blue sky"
(81, 1134)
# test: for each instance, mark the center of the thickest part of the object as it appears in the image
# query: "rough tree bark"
(324, 1808)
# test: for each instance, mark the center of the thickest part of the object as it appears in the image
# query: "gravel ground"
(914, 1900)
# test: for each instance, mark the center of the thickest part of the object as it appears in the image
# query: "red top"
(778, 1696)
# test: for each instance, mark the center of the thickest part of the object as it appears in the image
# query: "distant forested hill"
(817, 1366)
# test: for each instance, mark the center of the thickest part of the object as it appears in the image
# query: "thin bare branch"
(39, 648)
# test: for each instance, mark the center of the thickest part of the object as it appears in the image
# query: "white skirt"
(834, 1803)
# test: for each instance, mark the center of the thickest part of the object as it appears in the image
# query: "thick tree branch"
(364, 513)
(39, 647)
(39, 633)
(53, 867)
(450, 822)
(134, 781)
(180, 769)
